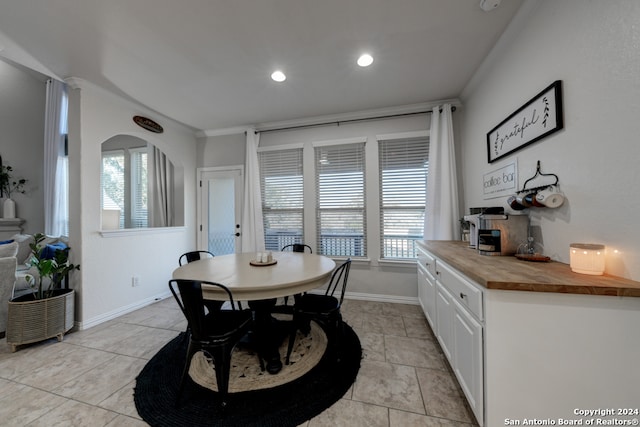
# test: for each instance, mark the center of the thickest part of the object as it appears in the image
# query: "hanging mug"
(532, 200)
(529, 199)
(551, 196)
(525, 199)
(515, 205)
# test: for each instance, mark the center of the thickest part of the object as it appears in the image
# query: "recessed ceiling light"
(278, 76)
(365, 60)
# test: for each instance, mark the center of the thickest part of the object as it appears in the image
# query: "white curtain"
(442, 214)
(252, 232)
(56, 174)
(160, 180)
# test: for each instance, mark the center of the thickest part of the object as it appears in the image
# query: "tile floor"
(88, 379)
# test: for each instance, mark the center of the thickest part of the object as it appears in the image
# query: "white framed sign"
(539, 117)
(500, 182)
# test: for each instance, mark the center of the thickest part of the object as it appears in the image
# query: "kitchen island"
(533, 341)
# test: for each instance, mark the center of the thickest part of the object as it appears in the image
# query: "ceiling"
(207, 63)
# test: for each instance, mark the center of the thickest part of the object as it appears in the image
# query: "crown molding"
(225, 131)
(76, 82)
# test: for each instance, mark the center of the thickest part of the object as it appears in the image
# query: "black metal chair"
(194, 256)
(294, 247)
(297, 247)
(322, 308)
(197, 256)
(216, 332)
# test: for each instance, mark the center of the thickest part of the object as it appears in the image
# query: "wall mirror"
(140, 186)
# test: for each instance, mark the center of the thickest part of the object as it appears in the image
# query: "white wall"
(371, 278)
(592, 46)
(108, 263)
(22, 104)
(222, 150)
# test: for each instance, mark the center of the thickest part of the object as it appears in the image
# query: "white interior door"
(220, 209)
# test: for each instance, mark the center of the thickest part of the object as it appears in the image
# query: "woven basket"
(32, 321)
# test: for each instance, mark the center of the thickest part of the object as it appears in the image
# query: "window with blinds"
(404, 164)
(281, 185)
(340, 192)
(124, 186)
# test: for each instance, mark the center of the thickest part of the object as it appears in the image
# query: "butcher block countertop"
(510, 273)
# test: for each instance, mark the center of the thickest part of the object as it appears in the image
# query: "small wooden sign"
(148, 124)
(501, 182)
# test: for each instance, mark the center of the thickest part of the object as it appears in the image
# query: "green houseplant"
(52, 269)
(49, 311)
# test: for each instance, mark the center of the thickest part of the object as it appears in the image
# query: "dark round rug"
(290, 404)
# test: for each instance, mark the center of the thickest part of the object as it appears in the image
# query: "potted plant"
(49, 310)
(8, 185)
(52, 264)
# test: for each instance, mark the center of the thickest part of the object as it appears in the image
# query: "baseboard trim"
(95, 321)
(119, 312)
(395, 299)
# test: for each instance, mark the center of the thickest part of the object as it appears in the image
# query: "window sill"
(408, 263)
(405, 263)
(140, 231)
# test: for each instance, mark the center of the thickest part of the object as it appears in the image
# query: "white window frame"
(296, 208)
(128, 217)
(402, 246)
(346, 246)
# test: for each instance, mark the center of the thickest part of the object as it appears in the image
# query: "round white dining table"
(293, 273)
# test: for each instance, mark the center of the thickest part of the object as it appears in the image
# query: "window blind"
(340, 193)
(139, 195)
(404, 164)
(281, 186)
(113, 190)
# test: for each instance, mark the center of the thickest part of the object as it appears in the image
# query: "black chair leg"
(191, 350)
(222, 362)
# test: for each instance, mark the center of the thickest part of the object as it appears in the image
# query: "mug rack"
(536, 175)
(547, 195)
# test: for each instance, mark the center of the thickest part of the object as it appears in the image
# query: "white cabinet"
(444, 320)
(423, 292)
(454, 307)
(427, 287)
(468, 294)
(460, 310)
(468, 361)
(529, 352)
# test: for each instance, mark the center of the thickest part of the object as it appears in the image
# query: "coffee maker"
(473, 229)
(473, 219)
(501, 234)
